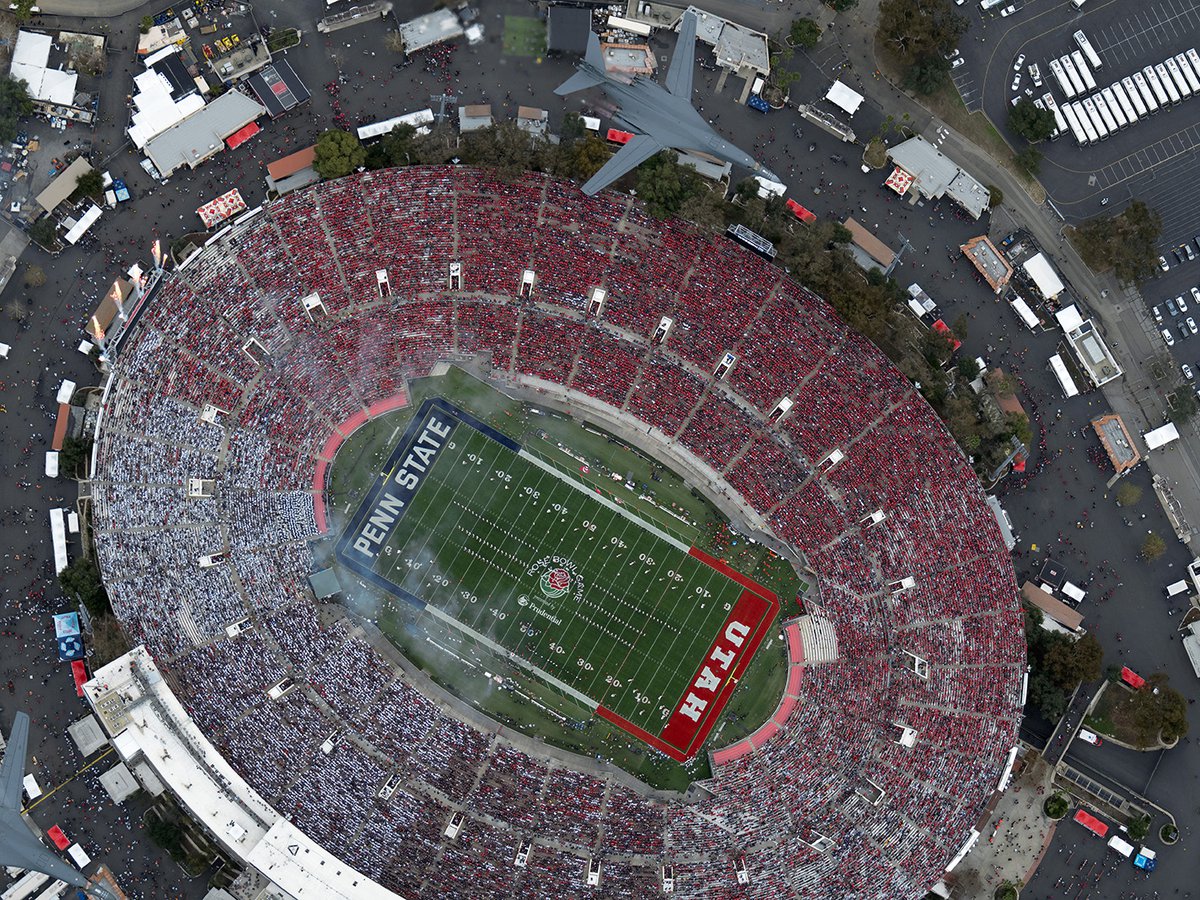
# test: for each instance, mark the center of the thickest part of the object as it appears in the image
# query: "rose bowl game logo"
(555, 582)
(557, 577)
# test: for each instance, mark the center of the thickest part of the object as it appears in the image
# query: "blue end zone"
(388, 500)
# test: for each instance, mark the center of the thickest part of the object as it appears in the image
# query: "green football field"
(566, 583)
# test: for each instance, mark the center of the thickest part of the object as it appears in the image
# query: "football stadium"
(512, 543)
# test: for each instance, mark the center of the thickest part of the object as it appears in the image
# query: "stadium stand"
(821, 802)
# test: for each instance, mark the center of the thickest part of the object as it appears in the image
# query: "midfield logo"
(557, 577)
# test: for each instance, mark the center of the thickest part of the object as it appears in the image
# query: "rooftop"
(936, 175)
(1117, 442)
(988, 261)
(203, 133)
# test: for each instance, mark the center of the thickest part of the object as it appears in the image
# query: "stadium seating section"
(796, 784)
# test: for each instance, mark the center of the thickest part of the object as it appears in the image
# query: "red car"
(801, 213)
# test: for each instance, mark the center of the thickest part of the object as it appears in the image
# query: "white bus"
(1130, 92)
(1189, 73)
(420, 120)
(29, 885)
(54, 892)
(1069, 68)
(1059, 119)
(1094, 115)
(1064, 82)
(1085, 73)
(1068, 111)
(1086, 46)
(1185, 89)
(1194, 59)
(1105, 113)
(1143, 87)
(1164, 78)
(1110, 100)
(1065, 381)
(1157, 86)
(1086, 123)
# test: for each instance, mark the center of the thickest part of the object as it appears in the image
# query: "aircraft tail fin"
(584, 78)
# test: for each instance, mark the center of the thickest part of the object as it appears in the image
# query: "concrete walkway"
(90, 9)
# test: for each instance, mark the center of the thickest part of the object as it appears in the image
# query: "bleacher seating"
(795, 777)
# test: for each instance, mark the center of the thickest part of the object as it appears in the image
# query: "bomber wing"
(639, 149)
(12, 771)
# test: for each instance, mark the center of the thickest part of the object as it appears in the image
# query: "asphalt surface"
(1060, 508)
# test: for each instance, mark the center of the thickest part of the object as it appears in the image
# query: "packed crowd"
(230, 329)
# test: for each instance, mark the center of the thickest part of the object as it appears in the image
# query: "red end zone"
(717, 674)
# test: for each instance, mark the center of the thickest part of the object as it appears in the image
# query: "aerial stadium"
(596, 559)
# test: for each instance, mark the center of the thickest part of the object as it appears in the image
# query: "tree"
(1128, 494)
(1157, 710)
(44, 232)
(1139, 827)
(166, 834)
(995, 196)
(927, 74)
(1071, 662)
(88, 184)
(1126, 243)
(1031, 123)
(805, 32)
(35, 276)
(396, 148)
(1046, 697)
(918, 29)
(663, 184)
(338, 154)
(968, 369)
(1153, 547)
(1056, 806)
(81, 582)
(145, 25)
(75, 453)
(1029, 159)
(841, 5)
(705, 210)
(24, 10)
(15, 105)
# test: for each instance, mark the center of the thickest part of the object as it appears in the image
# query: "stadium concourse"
(830, 804)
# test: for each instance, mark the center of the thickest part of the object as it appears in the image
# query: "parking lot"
(1154, 158)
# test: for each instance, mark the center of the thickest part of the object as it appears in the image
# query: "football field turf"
(531, 562)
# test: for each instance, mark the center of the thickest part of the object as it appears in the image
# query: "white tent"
(156, 110)
(1161, 436)
(1038, 268)
(844, 98)
(30, 56)
(1069, 319)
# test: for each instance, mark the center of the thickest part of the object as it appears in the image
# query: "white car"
(1196, 295)
(1181, 303)
(1090, 736)
(1191, 324)
(958, 62)
(1008, 10)
(1168, 337)
(1020, 62)
(1163, 264)
(1036, 74)
(1187, 372)
(1016, 82)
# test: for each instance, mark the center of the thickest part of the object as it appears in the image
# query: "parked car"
(1008, 10)
(958, 62)
(1183, 332)
(1036, 74)
(1166, 333)
(1162, 264)
(1187, 248)
(953, 54)
(1016, 81)
(1191, 324)
(1181, 303)
(1187, 372)
(1020, 62)
(1196, 295)
(1171, 307)
(1157, 310)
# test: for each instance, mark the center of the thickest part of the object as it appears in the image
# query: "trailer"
(1059, 119)
(1085, 73)
(1194, 59)
(1073, 74)
(1164, 78)
(1143, 86)
(1160, 92)
(1077, 129)
(1146, 859)
(1129, 89)
(1121, 845)
(1185, 89)
(1064, 82)
(1105, 113)
(1086, 46)
(1114, 108)
(1094, 114)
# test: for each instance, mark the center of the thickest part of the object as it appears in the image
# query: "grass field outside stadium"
(517, 560)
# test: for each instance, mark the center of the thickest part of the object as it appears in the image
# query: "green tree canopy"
(1031, 123)
(663, 185)
(1070, 662)
(1029, 159)
(396, 148)
(1159, 709)
(81, 582)
(338, 154)
(918, 29)
(1126, 243)
(927, 74)
(1128, 494)
(75, 453)
(15, 104)
(805, 33)
(505, 148)
(89, 184)
(1153, 547)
